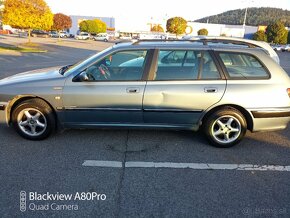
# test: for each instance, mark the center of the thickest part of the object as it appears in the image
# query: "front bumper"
(3, 106)
(3, 114)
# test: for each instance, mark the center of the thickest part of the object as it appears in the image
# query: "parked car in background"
(22, 33)
(223, 90)
(64, 34)
(219, 40)
(82, 36)
(277, 47)
(101, 37)
(53, 34)
(39, 33)
(286, 47)
(125, 37)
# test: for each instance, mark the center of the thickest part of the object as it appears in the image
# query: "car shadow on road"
(156, 146)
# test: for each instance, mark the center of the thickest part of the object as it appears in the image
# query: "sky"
(134, 13)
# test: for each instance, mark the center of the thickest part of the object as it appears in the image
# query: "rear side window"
(185, 65)
(245, 66)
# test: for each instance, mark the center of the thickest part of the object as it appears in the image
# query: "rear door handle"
(210, 89)
(132, 90)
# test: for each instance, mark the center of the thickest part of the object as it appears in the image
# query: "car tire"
(33, 119)
(225, 128)
(105, 40)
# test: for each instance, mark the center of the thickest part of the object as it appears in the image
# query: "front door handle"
(132, 90)
(210, 89)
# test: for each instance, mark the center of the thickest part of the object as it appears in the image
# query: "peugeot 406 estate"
(220, 88)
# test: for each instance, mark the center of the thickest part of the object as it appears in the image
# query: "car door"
(182, 87)
(112, 93)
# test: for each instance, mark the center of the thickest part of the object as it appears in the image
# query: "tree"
(27, 14)
(202, 32)
(102, 26)
(1, 11)
(276, 33)
(260, 36)
(61, 22)
(176, 25)
(157, 28)
(93, 26)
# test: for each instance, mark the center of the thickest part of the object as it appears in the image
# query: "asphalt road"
(57, 165)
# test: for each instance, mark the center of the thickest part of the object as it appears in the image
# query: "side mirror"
(82, 77)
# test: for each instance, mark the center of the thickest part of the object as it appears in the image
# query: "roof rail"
(225, 41)
(119, 42)
(205, 41)
(162, 40)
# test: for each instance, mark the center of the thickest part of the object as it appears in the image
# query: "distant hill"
(255, 17)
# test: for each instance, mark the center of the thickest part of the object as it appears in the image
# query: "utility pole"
(245, 17)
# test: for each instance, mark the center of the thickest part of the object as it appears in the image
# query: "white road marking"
(195, 166)
(98, 163)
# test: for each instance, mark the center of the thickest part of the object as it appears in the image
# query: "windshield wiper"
(64, 69)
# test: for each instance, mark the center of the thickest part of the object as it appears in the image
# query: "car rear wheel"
(33, 119)
(225, 128)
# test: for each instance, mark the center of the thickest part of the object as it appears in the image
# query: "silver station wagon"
(222, 88)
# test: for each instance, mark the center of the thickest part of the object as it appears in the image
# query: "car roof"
(201, 43)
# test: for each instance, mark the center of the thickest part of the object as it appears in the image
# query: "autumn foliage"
(61, 22)
(176, 25)
(202, 32)
(157, 28)
(27, 14)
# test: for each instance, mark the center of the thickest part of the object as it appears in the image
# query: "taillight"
(288, 91)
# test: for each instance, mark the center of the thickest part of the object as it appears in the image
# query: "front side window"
(243, 66)
(185, 65)
(121, 66)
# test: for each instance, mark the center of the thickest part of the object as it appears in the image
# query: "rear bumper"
(270, 114)
(270, 119)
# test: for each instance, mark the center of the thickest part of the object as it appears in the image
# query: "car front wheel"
(225, 128)
(33, 119)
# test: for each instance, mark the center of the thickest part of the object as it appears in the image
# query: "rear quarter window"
(243, 66)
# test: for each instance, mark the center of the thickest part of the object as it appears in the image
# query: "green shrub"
(93, 26)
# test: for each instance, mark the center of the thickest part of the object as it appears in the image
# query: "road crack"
(120, 186)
